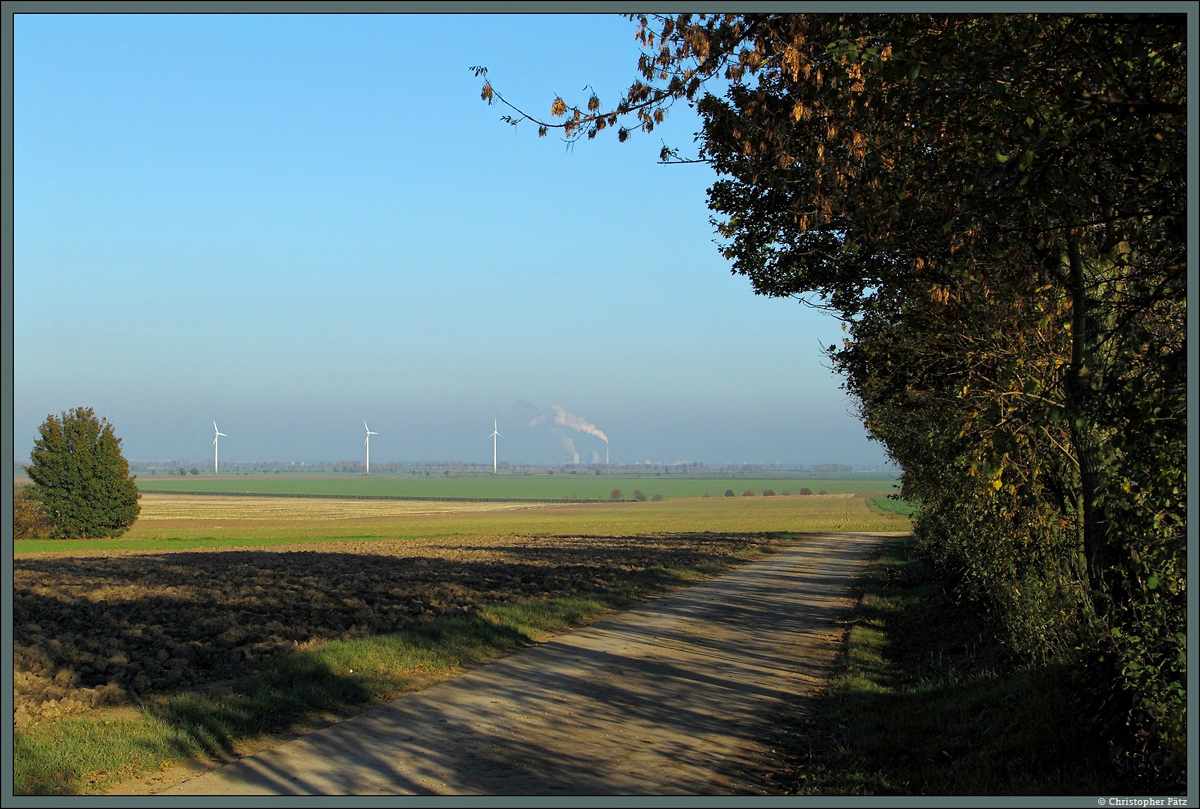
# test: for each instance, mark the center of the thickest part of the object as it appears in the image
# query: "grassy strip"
(894, 505)
(927, 704)
(90, 755)
(512, 487)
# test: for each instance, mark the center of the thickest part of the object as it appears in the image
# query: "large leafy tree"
(80, 478)
(995, 207)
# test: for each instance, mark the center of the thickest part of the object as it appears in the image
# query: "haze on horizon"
(292, 224)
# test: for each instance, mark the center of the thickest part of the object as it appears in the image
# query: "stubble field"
(204, 588)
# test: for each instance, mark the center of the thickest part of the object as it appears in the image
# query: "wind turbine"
(216, 434)
(495, 435)
(368, 443)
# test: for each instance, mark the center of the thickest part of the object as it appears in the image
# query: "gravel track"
(678, 696)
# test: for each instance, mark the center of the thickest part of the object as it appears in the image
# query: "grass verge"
(927, 704)
(91, 755)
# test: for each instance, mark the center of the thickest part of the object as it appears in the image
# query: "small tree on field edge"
(80, 479)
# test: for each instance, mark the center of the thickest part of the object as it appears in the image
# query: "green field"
(501, 487)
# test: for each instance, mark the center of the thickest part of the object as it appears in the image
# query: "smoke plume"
(569, 445)
(577, 424)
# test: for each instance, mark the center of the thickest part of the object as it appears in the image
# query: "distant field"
(180, 522)
(531, 487)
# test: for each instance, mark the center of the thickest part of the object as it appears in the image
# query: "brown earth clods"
(97, 630)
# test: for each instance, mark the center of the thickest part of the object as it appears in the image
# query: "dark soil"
(101, 629)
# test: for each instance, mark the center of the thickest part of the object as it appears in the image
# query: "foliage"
(29, 521)
(80, 479)
(994, 205)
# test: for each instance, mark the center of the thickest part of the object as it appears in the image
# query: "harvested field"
(97, 629)
(158, 509)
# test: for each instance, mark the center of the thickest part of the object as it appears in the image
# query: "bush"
(615, 494)
(806, 490)
(657, 497)
(747, 493)
(29, 521)
(768, 493)
(729, 492)
(638, 495)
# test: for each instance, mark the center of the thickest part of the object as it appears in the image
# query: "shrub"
(638, 495)
(615, 494)
(29, 521)
(729, 492)
(747, 493)
(657, 497)
(806, 490)
(768, 493)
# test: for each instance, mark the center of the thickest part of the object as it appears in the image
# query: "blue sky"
(290, 224)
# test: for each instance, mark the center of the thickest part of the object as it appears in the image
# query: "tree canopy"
(80, 478)
(995, 207)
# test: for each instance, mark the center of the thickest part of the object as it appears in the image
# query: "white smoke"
(569, 445)
(575, 423)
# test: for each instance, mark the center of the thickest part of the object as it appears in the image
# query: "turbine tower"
(368, 443)
(216, 434)
(495, 435)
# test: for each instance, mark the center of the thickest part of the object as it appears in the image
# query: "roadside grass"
(927, 704)
(305, 689)
(893, 505)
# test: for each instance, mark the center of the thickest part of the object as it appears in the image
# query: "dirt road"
(675, 697)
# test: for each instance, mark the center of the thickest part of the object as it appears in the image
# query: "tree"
(80, 479)
(994, 205)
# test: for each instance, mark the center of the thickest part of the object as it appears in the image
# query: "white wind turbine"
(495, 435)
(216, 434)
(368, 443)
